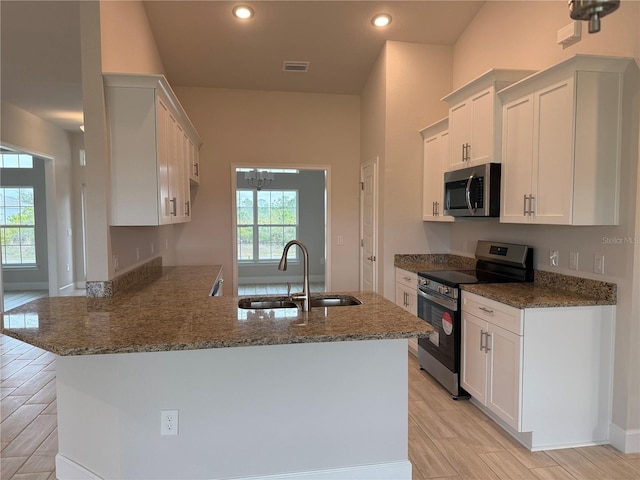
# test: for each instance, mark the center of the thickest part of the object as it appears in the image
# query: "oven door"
(443, 315)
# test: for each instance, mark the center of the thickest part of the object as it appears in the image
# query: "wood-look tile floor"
(447, 439)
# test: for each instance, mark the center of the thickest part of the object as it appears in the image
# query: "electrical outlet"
(152, 248)
(116, 262)
(169, 422)
(598, 264)
(573, 260)
(340, 240)
(68, 267)
(554, 258)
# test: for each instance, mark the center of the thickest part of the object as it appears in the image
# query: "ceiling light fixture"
(259, 179)
(381, 20)
(242, 12)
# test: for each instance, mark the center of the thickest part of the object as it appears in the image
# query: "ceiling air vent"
(295, 66)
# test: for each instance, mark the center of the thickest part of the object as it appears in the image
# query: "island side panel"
(301, 409)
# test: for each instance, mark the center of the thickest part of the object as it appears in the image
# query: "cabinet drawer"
(496, 313)
(406, 278)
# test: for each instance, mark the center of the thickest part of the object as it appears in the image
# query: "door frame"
(374, 163)
(327, 214)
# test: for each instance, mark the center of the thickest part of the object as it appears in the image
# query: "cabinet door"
(504, 381)
(553, 153)
(402, 296)
(517, 160)
(482, 128)
(459, 134)
(474, 360)
(164, 146)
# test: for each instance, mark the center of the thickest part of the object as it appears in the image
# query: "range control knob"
(443, 290)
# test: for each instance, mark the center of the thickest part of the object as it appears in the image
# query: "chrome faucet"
(304, 295)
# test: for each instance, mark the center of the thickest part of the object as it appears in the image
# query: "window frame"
(20, 226)
(256, 260)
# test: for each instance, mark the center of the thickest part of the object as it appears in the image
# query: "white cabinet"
(474, 119)
(544, 374)
(407, 298)
(435, 162)
(153, 147)
(561, 144)
(491, 358)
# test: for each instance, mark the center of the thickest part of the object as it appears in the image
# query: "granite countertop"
(175, 312)
(548, 290)
(424, 262)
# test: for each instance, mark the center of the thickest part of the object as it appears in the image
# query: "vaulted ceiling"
(202, 45)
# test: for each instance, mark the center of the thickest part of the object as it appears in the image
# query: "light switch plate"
(573, 260)
(598, 264)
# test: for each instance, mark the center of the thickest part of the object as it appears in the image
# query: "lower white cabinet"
(407, 298)
(543, 374)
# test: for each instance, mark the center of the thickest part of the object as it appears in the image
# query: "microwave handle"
(468, 194)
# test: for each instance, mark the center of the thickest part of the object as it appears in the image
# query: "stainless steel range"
(439, 305)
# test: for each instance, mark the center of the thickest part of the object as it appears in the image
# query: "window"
(17, 226)
(16, 160)
(267, 220)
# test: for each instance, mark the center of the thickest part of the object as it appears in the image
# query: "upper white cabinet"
(561, 144)
(474, 118)
(435, 162)
(154, 151)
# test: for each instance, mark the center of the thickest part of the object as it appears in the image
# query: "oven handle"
(453, 306)
(468, 194)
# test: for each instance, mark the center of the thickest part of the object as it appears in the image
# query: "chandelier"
(258, 180)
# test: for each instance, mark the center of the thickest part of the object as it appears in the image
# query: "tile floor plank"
(10, 404)
(38, 464)
(552, 473)
(577, 465)
(10, 465)
(464, 459)
(506, 466)
(15, 423)
(34, 384)
(425, 456)
(46, 394)
(29, 439)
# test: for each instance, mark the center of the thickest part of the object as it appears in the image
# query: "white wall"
(523, 35)
(25, 131)
(402, 95)
(273, 129)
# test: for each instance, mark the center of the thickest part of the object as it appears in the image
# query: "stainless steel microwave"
(473, 191)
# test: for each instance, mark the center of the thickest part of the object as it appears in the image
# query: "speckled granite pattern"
(423, 262)
(175, 312)
(606, 292)
(150, 270)
(536, 295)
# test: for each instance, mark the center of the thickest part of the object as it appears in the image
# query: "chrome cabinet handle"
(196, 168)
(172, 202)
(524, 205)
(187, 207)
(531, 205)
(464, 155)
(481, 337)
(484, 309)
(486, 342)
(467, 157)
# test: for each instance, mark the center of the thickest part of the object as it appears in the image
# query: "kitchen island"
(258, 393)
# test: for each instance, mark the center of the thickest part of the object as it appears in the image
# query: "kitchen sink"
(334, 301)
(266, 303)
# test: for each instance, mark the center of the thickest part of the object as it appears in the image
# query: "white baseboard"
(69, 470)
(379, 471)
(66, 289)
(627, 441)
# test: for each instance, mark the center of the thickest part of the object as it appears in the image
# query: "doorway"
(272, 205)
(369, 226)
(23, 228)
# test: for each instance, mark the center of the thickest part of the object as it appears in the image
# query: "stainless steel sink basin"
(334, 301)
(266, 303)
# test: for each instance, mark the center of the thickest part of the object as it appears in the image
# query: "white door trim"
(372, 163)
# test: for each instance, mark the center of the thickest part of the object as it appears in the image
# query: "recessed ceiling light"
(381, 20)
(243, 12)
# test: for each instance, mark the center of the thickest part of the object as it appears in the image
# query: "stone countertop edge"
(175, 312)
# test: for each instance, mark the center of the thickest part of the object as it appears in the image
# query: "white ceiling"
(202, 45)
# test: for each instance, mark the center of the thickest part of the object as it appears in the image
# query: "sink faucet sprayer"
(304, 295)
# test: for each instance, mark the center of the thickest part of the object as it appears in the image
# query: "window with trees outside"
(266, 221)
(17, 226)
